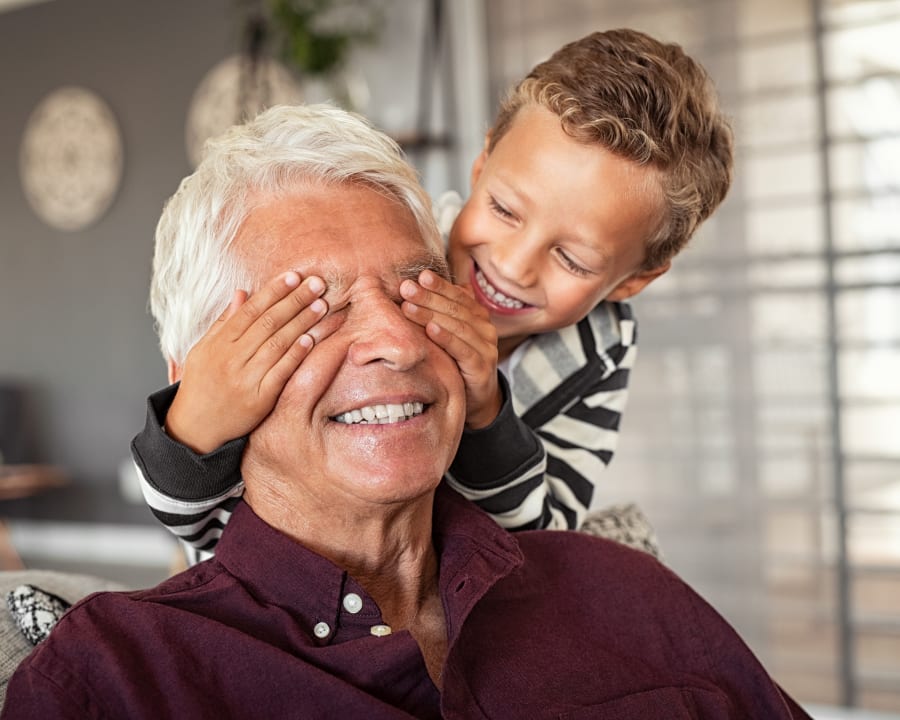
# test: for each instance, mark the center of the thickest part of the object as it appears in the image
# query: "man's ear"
(633, 284)
(478, 165)
(174, 371)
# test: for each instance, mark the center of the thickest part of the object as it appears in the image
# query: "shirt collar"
(473, 553)
(280, 571)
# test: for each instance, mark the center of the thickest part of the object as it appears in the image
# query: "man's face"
(368, 359)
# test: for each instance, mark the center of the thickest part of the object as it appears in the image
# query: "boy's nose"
(383, 334)
(515, 260)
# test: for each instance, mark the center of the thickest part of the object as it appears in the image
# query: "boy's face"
(551, 228)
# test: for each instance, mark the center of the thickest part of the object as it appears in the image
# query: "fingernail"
(426, 278)
(315, 284)
(317, 306)
(407, 288)
(306, 341)
(292, 279)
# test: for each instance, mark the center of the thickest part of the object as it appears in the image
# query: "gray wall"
(73, 321)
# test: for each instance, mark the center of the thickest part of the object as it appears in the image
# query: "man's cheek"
(315, 373)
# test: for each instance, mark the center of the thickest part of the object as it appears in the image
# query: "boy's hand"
(453, 319)
(233, 376)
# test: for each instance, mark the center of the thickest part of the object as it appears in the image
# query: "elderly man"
(349, 582)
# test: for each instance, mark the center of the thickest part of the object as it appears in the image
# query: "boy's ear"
(174, 371)
(478, 165)
(633, 284)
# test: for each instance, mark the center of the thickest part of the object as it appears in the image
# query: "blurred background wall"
(761, 436)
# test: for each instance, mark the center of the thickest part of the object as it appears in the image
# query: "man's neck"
(387, 549)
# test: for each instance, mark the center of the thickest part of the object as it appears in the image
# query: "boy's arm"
(191, 494)
(499, 465)
(528, 479)
(498, 468)
(189, 453)
(544, 478)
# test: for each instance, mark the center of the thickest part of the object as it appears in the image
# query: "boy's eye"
(571, 264)
(499, 209)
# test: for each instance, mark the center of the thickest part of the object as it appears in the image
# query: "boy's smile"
(552, 227)
(493, 298)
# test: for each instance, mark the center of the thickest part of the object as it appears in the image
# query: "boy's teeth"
(381, 414)
(495, 295)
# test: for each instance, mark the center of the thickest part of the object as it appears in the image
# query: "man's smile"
(381, 414)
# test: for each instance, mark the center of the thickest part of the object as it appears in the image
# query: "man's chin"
(399, 488)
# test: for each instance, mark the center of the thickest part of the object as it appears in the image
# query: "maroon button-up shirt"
(540, 625)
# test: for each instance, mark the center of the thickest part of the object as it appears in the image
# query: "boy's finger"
(418, 314)
(467, 356)
(265, 298)
(303, 328)
(451, 300)
(472, 329)
(279, 374)
(238, 299)
(304, 300)
(432, 282)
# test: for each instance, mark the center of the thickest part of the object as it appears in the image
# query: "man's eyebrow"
(336, 280)
(431, 261)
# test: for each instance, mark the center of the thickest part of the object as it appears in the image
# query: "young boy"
(600, 166)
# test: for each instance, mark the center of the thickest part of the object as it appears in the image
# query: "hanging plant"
(315, 37)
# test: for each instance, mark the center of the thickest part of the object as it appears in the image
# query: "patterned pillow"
(35, 611)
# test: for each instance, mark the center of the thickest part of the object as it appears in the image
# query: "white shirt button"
(321, 630)
(352, 603)
(380, 630)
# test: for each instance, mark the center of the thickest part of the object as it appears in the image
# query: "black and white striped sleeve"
(192, 495)
(539, 470)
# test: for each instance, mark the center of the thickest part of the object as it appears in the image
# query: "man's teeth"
(495, 295)
(381, 414)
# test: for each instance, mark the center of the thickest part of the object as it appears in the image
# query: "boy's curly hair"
(645, 101)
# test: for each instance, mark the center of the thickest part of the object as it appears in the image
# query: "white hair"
(195, 273)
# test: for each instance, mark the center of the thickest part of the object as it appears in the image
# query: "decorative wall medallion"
(71, 158)
(233, 91)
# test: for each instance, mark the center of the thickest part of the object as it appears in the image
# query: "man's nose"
(384, 334)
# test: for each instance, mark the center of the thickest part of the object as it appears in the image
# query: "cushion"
(55, 591)
(35, 611)
(626, 524)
